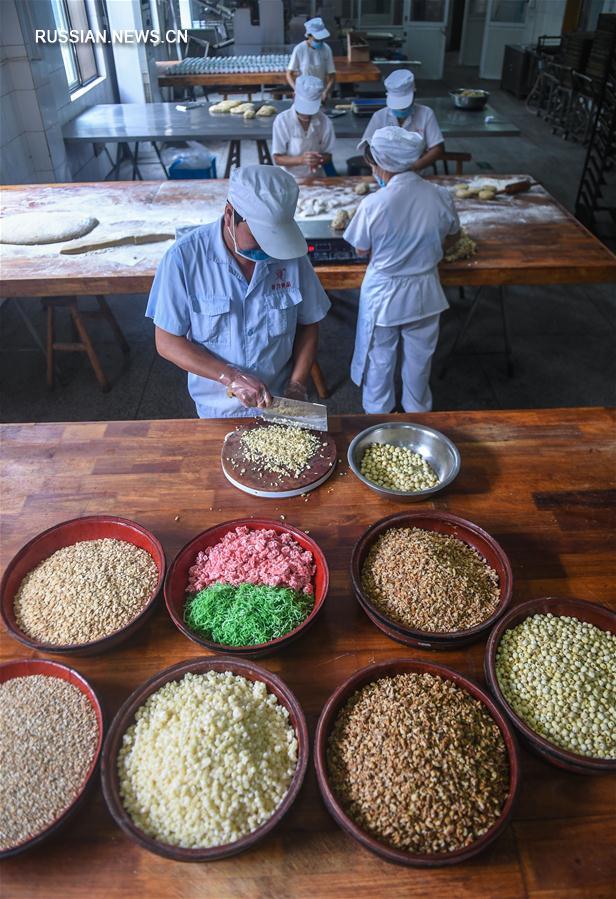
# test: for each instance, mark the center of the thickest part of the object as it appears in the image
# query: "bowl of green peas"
(404, 461)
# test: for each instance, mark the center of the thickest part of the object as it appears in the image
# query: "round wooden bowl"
(25, 668)
(92, 527)
(452, 526)
(125, 717)
(326, 721)
(177, 580)
(574, 608)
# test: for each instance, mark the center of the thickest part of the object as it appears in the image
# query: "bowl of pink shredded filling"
(247, 587)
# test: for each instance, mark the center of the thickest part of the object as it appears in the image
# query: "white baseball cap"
(308, 90)
(316, 27)
(395, 149)
(400, 87)
(266, 197)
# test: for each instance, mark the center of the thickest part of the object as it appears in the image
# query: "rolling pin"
(518, 187)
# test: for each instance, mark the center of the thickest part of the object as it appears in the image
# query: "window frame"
(79, 84)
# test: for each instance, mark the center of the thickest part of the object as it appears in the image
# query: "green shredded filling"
(247, 614)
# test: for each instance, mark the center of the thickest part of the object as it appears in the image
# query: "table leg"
(461, 332)
(160, 159)
(50, 343)
(89, 348)
(508, 351)
(263, 153)
(233, 156)
(136, 171)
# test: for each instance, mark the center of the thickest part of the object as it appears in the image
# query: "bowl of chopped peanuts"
(431, 579)
(416, 762)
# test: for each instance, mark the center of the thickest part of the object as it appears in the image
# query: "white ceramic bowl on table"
(437, 450)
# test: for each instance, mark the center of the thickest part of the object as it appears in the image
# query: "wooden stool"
(82, 342)
(319, 381)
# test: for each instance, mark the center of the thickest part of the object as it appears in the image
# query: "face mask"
(256, 255)
(316, 45)
(402, 113)
(379, 180)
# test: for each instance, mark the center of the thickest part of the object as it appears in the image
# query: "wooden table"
(346, 73)
(540, 481)
(528, 239)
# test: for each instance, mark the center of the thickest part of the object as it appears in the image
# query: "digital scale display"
(325, 245)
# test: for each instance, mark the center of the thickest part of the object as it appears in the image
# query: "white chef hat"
(316, 27)
(400, 87)
(395, 149)
(266, 197)
(308, 90)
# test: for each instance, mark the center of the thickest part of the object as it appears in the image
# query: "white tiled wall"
(35, 103)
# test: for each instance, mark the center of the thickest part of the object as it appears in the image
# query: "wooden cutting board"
(247, 476)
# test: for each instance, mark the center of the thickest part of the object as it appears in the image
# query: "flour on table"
(323, 202)
(122, 233)
(36, 228)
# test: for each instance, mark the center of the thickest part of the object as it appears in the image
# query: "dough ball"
(241, 108)
(463, 193)
(362, 188)
(488, 193)
(33, 228)
(267, 110)
(341, 220)
(474, 191)
(250, 114)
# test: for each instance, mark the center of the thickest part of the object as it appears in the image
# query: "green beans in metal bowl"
(436, 449)
(551, 664)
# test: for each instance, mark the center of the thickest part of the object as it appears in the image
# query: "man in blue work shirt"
(236, 303)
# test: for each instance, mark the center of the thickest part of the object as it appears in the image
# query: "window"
(513, 11)
(428, 10)
(79, 59)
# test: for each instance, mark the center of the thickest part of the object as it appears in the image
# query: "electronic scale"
(326, 245)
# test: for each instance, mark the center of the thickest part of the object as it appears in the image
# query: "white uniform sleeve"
(331, 67)
(279, 136)
(328, 137)
(358, 230)
(432, 134)
(315, 304)
(373, 125)
(294, 64)
(169, 300)
(451, 217)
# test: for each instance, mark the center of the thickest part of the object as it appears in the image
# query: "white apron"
(388, 300)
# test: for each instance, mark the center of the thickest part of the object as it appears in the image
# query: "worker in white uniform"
(303, 137)
(403, 228)
(313, 57)
(402, 110)
(236, 303)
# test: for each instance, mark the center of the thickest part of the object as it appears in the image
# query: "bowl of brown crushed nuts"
(82, 586)
(417, 763)
(431, 579)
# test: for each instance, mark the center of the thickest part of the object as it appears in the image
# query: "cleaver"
(295, 413)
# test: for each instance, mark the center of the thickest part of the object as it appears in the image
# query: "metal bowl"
(437, 449)
(461, 101)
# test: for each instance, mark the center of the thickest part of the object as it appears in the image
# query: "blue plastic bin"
(177, 173)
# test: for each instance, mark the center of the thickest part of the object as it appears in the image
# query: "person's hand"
(324, 97)
(311, 158)
(296, 391)
(250, 391)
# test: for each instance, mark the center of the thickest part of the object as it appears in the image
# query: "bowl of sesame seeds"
(82, 586)
(247, 587)
(417, 763)
(404, 461)
(431, 579)
(50, 742)
(551, 665)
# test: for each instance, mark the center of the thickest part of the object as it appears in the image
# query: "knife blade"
(295, 413)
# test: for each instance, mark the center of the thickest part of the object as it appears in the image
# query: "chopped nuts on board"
(418, 763)
(85, 591)
(428, 581)
(48, 738)
(280, 449)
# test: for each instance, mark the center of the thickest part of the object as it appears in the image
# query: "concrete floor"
(563, 336)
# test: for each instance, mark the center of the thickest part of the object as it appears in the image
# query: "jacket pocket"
(210, 320)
